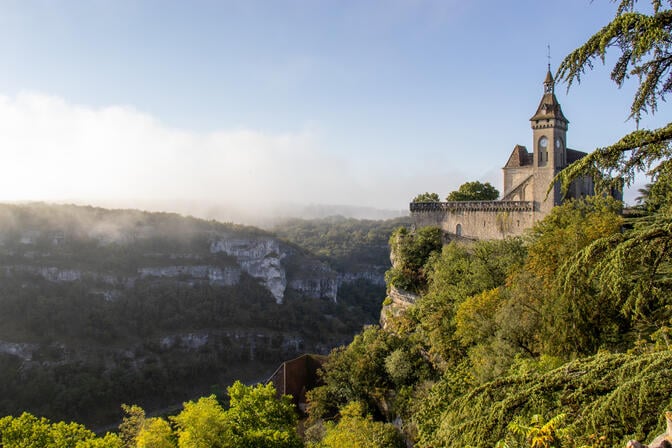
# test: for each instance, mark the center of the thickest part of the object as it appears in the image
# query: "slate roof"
(573, 155)
(519, 157)
(549, 107)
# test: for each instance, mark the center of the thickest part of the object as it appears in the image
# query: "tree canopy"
(427, 197)
(474, 191)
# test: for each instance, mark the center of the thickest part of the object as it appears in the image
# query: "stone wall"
(476, 219)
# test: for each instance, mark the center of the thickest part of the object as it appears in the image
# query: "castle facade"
(527, 177)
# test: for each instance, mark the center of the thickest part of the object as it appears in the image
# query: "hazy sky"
(362, 102)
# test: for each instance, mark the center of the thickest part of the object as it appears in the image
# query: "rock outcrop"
(258, 257)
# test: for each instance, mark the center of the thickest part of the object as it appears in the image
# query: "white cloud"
(53, 150)
(56, 151)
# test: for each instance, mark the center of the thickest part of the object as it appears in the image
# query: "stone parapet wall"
(479, 224)
(491, 206)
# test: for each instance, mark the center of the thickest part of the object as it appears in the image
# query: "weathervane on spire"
(549, 84)
(548, 55)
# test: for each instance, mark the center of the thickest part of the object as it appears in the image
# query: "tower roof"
(549, 107)
(519, 157)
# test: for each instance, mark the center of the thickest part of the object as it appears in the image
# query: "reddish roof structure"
(297, 376)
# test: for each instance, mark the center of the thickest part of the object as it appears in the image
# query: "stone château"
(527, 177)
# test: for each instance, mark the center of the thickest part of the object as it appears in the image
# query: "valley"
(103, 307)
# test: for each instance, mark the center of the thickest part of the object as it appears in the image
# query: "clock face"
(543, 142)
(558, 143)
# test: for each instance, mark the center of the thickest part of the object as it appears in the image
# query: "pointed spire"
(549, 82)
(549, 106)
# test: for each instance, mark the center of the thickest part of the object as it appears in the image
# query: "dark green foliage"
(619, 397)
(411, 251)
(346, 243)
(368, 370)
(459, 272)
(474, 191)
(427, 197)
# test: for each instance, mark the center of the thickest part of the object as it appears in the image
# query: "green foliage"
(474, 191)
(356, 429)
(595, 316)
(202, 424)
(155, 433)
(539, 433)
(615, 397)
(257, 417)
(644, 41)
(459, 272)
(30, 431)
(345, 243)
(633, 267)
(368, 370)
(410, 252)
(107, 441)
(131, 424)
(427, 197)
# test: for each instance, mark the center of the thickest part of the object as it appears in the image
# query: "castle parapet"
(485, 206)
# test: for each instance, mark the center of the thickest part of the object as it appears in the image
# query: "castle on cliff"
(527, 177)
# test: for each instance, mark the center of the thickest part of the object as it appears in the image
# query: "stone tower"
(549, 129)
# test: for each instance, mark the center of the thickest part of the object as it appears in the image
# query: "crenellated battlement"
(485, 206)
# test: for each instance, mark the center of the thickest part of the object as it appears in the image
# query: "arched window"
(542, 146)
(458, 230)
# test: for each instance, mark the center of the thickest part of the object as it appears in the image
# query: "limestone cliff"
(260, 257)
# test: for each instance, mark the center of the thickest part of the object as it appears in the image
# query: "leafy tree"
(156, 433)
(30, 431)
(257, 417)
(459, 272)
(369, 370)
(474, 191)
(107, 441)
(410, 253)
(355, 372)
(131, 424)
(202, 424)
(427, 197)
(355, 429)
(559, 299)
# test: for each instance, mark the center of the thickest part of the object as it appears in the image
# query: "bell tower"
(549, 129)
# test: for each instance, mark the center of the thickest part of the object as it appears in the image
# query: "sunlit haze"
(258, 105)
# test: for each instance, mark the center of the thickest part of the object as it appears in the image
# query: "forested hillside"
(101, 307)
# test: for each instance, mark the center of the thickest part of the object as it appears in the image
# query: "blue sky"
(284, 101)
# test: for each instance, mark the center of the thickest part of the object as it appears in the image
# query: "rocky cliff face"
(259, 257)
